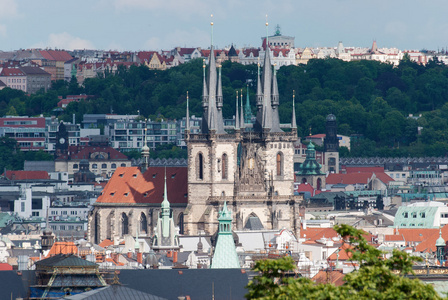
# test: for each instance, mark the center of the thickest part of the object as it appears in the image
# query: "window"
(224, 166)
(75, 166)
(279, 164)
(22, 206)
(113, 166)
(143, 223)
(200, 166)
(124, 224)
(103, 166)
(94, 166)
(123, 165)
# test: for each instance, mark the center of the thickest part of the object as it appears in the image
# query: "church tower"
(225, 256)
(331, 145)
(250, 167)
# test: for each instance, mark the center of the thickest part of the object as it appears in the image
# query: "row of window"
(414, 215)
(103, 166)
(16, 80)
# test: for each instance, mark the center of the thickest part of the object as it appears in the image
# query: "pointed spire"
(204, 87)
(247, 109)
(237, 117)
(145, 150)
(241, 111)
(293, 121)
(165, 212)
(187, 116)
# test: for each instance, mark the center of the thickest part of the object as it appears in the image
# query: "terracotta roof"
(57, 55)
(12, 72)
(105, 243)
(394, 238)
(5, 267)
(255, 52)
(63, 248)
(314, 234)
(429, 243)
(344, 254)
(184, 51)
(316, 136)
(129, 185)
(416, 235)
(303, 187)
(23, 175)
(335, 277)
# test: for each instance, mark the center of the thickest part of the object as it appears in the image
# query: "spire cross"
(267, 27)
(211, 24)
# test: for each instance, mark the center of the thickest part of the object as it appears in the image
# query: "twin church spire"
(267, 97)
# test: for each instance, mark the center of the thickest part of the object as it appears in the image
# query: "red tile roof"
(344, 253)
(57, 55)
(23, 175)
(394, 238)
(63, 248)
(315, 234)
(184, 51)
(105, 243)
(5, 267)
(11, 72)
(129, 185)
(429, 243)
(335, 277)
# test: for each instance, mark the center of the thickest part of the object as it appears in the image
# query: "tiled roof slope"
(63, 248)
(357, 178)
(64, 260)
(57, 55)
(128, 186)
(23, 175)
(429, 243)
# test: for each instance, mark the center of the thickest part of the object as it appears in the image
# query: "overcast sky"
(155, 25)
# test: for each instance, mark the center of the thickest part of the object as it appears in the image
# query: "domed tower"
(331, 145)
(440, 245)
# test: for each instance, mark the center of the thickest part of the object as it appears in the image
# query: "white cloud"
(65, 41)
(8, 9)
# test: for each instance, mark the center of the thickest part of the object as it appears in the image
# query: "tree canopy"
(375, 278)
(370, 99)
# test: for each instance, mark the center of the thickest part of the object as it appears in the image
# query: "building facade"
(250, 167)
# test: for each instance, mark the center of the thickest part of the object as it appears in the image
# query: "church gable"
(129, 186)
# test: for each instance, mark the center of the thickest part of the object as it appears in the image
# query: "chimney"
(140, 257)
(169, 254)
(129, 254)
(174, 257)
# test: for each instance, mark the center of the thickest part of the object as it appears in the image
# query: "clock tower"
(61, 140)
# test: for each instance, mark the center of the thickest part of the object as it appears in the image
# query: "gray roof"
(114, 292)
(63, 260)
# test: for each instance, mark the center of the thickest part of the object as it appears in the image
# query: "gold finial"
(267, 20)
(187, 95)
(293, 95)
(211, 22)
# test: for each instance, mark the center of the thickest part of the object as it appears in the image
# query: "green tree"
(376, 277)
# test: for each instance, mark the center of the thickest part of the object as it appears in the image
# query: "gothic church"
(249, 166)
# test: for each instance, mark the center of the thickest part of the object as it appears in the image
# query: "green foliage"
(369, 98)
(376, 277)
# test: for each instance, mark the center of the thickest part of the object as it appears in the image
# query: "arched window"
(113, 166)
(109, 225)
(97, 228)
(180, 223)
(143, 223)
(124, 224)
(224, 166)
(200, 164)
(319, 184)
(75, 166)
(279, 164)
(103, 166)
(94, 166)
(123, 165)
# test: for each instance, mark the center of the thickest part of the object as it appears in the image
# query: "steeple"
(267, 96)
(237, 117)
(225, 256)
(187, 117)
(241, 111)
(165, 212)
(212, 96)
(247, 109)
(145, 151)
(440, 247)
(293, 121)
